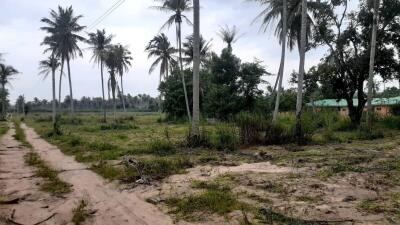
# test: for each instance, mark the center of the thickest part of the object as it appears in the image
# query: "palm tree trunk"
(196, 69)
(113, 87)
(70, 86)
(181, 70)
(282, 65)
(371, 63)
(122, 94)
(299, 102)
(3, 101)
(59, 85)
(53, 82)
(102, 89)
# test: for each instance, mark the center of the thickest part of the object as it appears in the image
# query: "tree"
(123, 63)
(205, 48)
(303, 42)
(229, 35)
(196, 69)
(63, 28)
(99, 42)
(372, 62)
(160, 48)
(347, 35)
(177, 7)
(6, 75)
(46, 67)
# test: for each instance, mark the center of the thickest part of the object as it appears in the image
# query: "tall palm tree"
(111, 61)
(229, 35)
(372, 62)
(160, 48)
(99, 42)
(303, 42)
(287, 13)
(196, 68)
(46, 67)
(123, 63)
(6, 75)
(64, 29)
(188, 46)
(177, 7)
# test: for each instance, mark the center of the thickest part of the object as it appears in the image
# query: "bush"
(366, 133)
(390, 122)
(276, 134)
(226, 138)
(197, 141)
(161, 147)
(250, 127)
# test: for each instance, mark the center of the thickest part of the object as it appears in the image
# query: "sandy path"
(112, 206)
(18, 181)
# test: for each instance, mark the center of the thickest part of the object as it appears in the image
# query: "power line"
(117, 4)
(91, 25)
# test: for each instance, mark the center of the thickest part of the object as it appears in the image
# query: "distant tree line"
(140, 103)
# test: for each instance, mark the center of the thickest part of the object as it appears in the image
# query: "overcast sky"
(134, 23)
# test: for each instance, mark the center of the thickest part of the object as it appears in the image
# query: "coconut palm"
(303, 42)
(46, 67)
(372, 62)
(111, 61)
(123, 63)
(288, 30)
(160, 48)
(99, 42)
(229, 35)
(6, 75)
(196, 49)
(188, 46)
(177, 7)
(64, 29)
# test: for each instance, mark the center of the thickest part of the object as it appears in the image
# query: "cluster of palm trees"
(6, 75)
(63, 36)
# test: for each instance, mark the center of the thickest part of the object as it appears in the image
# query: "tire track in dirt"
(111, 205)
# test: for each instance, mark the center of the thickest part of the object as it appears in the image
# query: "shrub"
(366, 133)
(276, 134)
(197, 141)
(226, 138)
(250, 127)
(390, 122)
(161, 147)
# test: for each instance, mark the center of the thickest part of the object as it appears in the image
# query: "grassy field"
(366, 161)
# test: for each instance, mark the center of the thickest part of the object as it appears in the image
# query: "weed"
(80, 213)
(52, 184)
(250, 125)
(226, 138)
(161, 147)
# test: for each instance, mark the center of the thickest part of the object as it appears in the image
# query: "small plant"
(226, 138)
(80, 213)
(250, 127)
(161, 147)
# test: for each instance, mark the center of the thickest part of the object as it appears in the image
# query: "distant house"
(382, 106)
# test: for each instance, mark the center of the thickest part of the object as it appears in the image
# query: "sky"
(133, 24)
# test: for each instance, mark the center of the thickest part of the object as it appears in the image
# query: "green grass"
(52, 184)
(3, 128)
(80, 213)
(20, 134)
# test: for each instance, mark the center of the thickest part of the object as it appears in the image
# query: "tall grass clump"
(277, 134)
(198, 141)
(390, 122)
(226, 137)
(161, 147)
(250, 127)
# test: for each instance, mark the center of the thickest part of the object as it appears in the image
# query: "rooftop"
(343, 103)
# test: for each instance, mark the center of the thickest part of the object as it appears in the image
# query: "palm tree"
(188, 47)
(229, 35)
(288, 28)
(99, 42)
(46, 67)
(372, 62)
(160, 48)
(303, 42)
(177, 7)
(6, 74)
(111, 61)
(123, 63)
(196, 68)
(63, 28)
